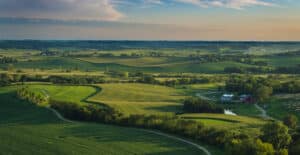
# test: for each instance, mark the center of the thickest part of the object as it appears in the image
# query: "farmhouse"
(227, 97)
(246, 98)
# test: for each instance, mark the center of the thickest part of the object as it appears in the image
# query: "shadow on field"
(13, 110)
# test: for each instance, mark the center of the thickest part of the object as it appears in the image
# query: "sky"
(275, 20)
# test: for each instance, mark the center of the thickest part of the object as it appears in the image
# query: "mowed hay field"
(140, 98)
(65, 93)
(28, 129)
(244, 124)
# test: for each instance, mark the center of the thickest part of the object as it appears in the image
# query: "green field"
(28, 129)
(145, 64)
(65, 93)
(140, 98)
(279, 61)
(248, 125)
(282, 105)
(138, 61)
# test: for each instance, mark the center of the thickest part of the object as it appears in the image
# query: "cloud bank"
(61, 9)
(235, 4)
(107, 10)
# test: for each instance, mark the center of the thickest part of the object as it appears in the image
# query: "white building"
(227, 97)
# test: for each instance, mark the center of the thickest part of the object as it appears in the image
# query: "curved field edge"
(140, 98)
(23, 123)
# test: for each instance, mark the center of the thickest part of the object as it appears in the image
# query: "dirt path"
(263, 112)
(59, 116)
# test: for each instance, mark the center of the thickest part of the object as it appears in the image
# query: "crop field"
(35, 130)
(140, 98)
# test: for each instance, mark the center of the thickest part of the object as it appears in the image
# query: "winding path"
(59, 116)
(263, 112)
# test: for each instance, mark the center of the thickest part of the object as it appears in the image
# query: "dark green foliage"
(32, 97)
(249, 147)
(260, 87)
(75, 79)
(7, 60)
(4, 80)
(262, 93)
(295, 148)
(148, 79)
(289, 87)
(290, 121)
(197, 105)
(244, 70)
(277, 134)
(288, 70)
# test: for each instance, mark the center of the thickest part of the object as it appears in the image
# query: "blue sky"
(150, 19)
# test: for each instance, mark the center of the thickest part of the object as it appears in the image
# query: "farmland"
(123, 97)
(22, 125)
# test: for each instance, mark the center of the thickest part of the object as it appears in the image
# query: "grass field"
(243, 124)
(28, 129)
(279, 61)
(281, 105)
(65, 93)
(140, 98)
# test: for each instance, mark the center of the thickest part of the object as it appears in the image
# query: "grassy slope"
(65, 93)
(248, 125)
(279, 61)
(139, 98)
(281, 105)
(27, 129)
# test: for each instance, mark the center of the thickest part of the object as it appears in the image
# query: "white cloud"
(235, 4)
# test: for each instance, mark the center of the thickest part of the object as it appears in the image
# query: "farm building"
(227, 97)
(246, 98)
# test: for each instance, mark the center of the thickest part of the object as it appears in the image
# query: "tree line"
(260, 87)
(261, 70)
(7, 60)
(198, 105)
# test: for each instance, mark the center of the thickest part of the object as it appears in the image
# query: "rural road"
(59, 116)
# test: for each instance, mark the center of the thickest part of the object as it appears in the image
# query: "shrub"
(197, 105)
